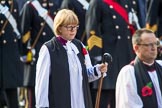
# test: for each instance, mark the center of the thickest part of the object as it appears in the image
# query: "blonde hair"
(64, 17)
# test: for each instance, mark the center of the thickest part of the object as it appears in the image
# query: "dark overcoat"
(108, 32)
(11, 72)
(31, 23)
(154, 17)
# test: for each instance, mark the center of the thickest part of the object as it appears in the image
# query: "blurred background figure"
(21, 3)
(79, 7)
(11, 71)
(58, 2)
(109, 28)
(142, 11)
(36, 28)
(154, 19)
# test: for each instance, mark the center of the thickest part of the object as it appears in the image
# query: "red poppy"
(147, 90)
(84, 51)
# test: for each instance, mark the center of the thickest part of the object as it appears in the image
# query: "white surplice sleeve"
(42, 78)
(126, 89)
(92, 69)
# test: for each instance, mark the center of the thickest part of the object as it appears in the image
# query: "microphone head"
(107, 58)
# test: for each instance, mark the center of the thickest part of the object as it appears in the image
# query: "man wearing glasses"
(139, 84)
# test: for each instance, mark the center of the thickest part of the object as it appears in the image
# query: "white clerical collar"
(149, 64)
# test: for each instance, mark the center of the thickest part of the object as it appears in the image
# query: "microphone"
(107, 58)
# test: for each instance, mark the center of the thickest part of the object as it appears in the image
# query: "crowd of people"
(51, 53)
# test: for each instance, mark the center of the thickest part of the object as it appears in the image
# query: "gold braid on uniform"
(26, 37)
(153, 27)
(94, 41)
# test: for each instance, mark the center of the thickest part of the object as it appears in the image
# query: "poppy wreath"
(147, 90)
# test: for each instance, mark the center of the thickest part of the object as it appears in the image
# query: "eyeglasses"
(71, 28)
(155, 44)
